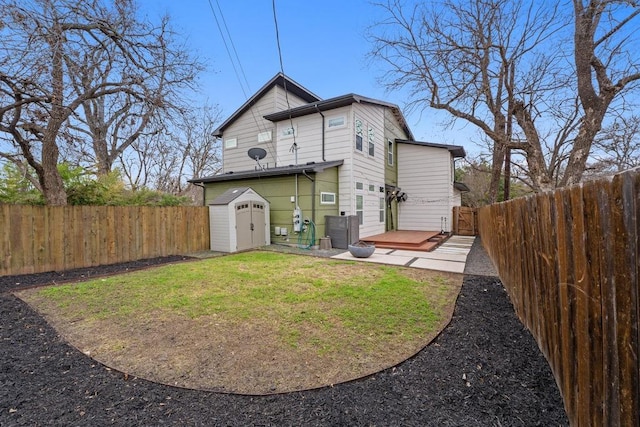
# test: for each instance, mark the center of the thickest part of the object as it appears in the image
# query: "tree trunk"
(52, 185)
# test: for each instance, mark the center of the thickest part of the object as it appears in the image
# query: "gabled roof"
(455, 150)
(337, 102)
(278, 80)
(310, 167)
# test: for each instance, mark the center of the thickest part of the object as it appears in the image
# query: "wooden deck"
(408, 240)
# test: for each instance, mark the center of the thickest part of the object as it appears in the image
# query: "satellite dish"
(257, 153)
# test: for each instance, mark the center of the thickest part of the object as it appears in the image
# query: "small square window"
(231, 143)
(359, 186)
(327, 198)
(289, 131)
(372, 187)
(335, 122)
(264, 136)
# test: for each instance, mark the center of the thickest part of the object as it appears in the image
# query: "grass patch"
(306, 304)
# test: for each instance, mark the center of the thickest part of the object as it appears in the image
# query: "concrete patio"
(450, 256)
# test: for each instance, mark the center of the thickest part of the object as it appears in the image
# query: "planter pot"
(362, 250)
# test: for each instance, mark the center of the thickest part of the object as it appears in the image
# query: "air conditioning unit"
(343, 230)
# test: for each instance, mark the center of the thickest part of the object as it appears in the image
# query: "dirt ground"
(484, 369)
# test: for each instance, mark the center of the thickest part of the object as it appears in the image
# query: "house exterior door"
(250, 225)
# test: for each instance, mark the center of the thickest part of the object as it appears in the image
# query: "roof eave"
(280, 171)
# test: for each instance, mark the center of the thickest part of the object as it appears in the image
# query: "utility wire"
(235, 60)
(294, 146)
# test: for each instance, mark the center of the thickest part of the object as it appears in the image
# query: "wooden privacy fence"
(569, 261)
(43, 238)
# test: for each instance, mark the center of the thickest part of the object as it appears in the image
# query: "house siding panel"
(247, 127)
(369, 170)
(426, 177)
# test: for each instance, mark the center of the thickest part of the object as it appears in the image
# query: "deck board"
(407, 239)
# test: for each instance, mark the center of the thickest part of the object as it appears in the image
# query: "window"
(382, 209)
(359, 134)
(372, 187)
(372, 147)
(359, 186)
(335, 122)
(231, 143)
(359, 208)
(390, 152)
(327, 198)
(264, 136)
(289, 131)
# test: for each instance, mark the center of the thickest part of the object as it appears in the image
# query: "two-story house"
(349, 155)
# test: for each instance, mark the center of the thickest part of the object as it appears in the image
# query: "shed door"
(250, 225)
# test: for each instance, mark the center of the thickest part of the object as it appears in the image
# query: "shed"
(239, 220)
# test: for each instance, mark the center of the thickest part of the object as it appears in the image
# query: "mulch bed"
(483, 370)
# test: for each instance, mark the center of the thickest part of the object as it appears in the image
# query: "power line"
(294, 147)
(235, 60)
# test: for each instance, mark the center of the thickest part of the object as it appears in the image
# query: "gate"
(465, 221)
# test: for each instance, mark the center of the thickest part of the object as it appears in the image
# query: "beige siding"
(220, 228)
(369, 170)
(425, 175)
(247, 127)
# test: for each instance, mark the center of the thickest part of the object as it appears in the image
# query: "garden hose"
(307, 237)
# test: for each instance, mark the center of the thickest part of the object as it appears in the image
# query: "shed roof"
(311, 167)
(229, 196)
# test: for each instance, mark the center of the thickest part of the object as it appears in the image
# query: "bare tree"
(65, 65)
(618, 146)
(500, 66)
(185, 149)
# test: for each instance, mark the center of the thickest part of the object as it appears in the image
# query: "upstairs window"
(372, 147)
(230, 143)
(390, 152)
(336, 122)
(289, 131)
(359, 134)
(264, 136)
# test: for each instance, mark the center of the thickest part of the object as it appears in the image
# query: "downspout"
(313, 196)
(320, 112)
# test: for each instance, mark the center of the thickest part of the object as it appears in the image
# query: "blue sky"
(323, 48)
